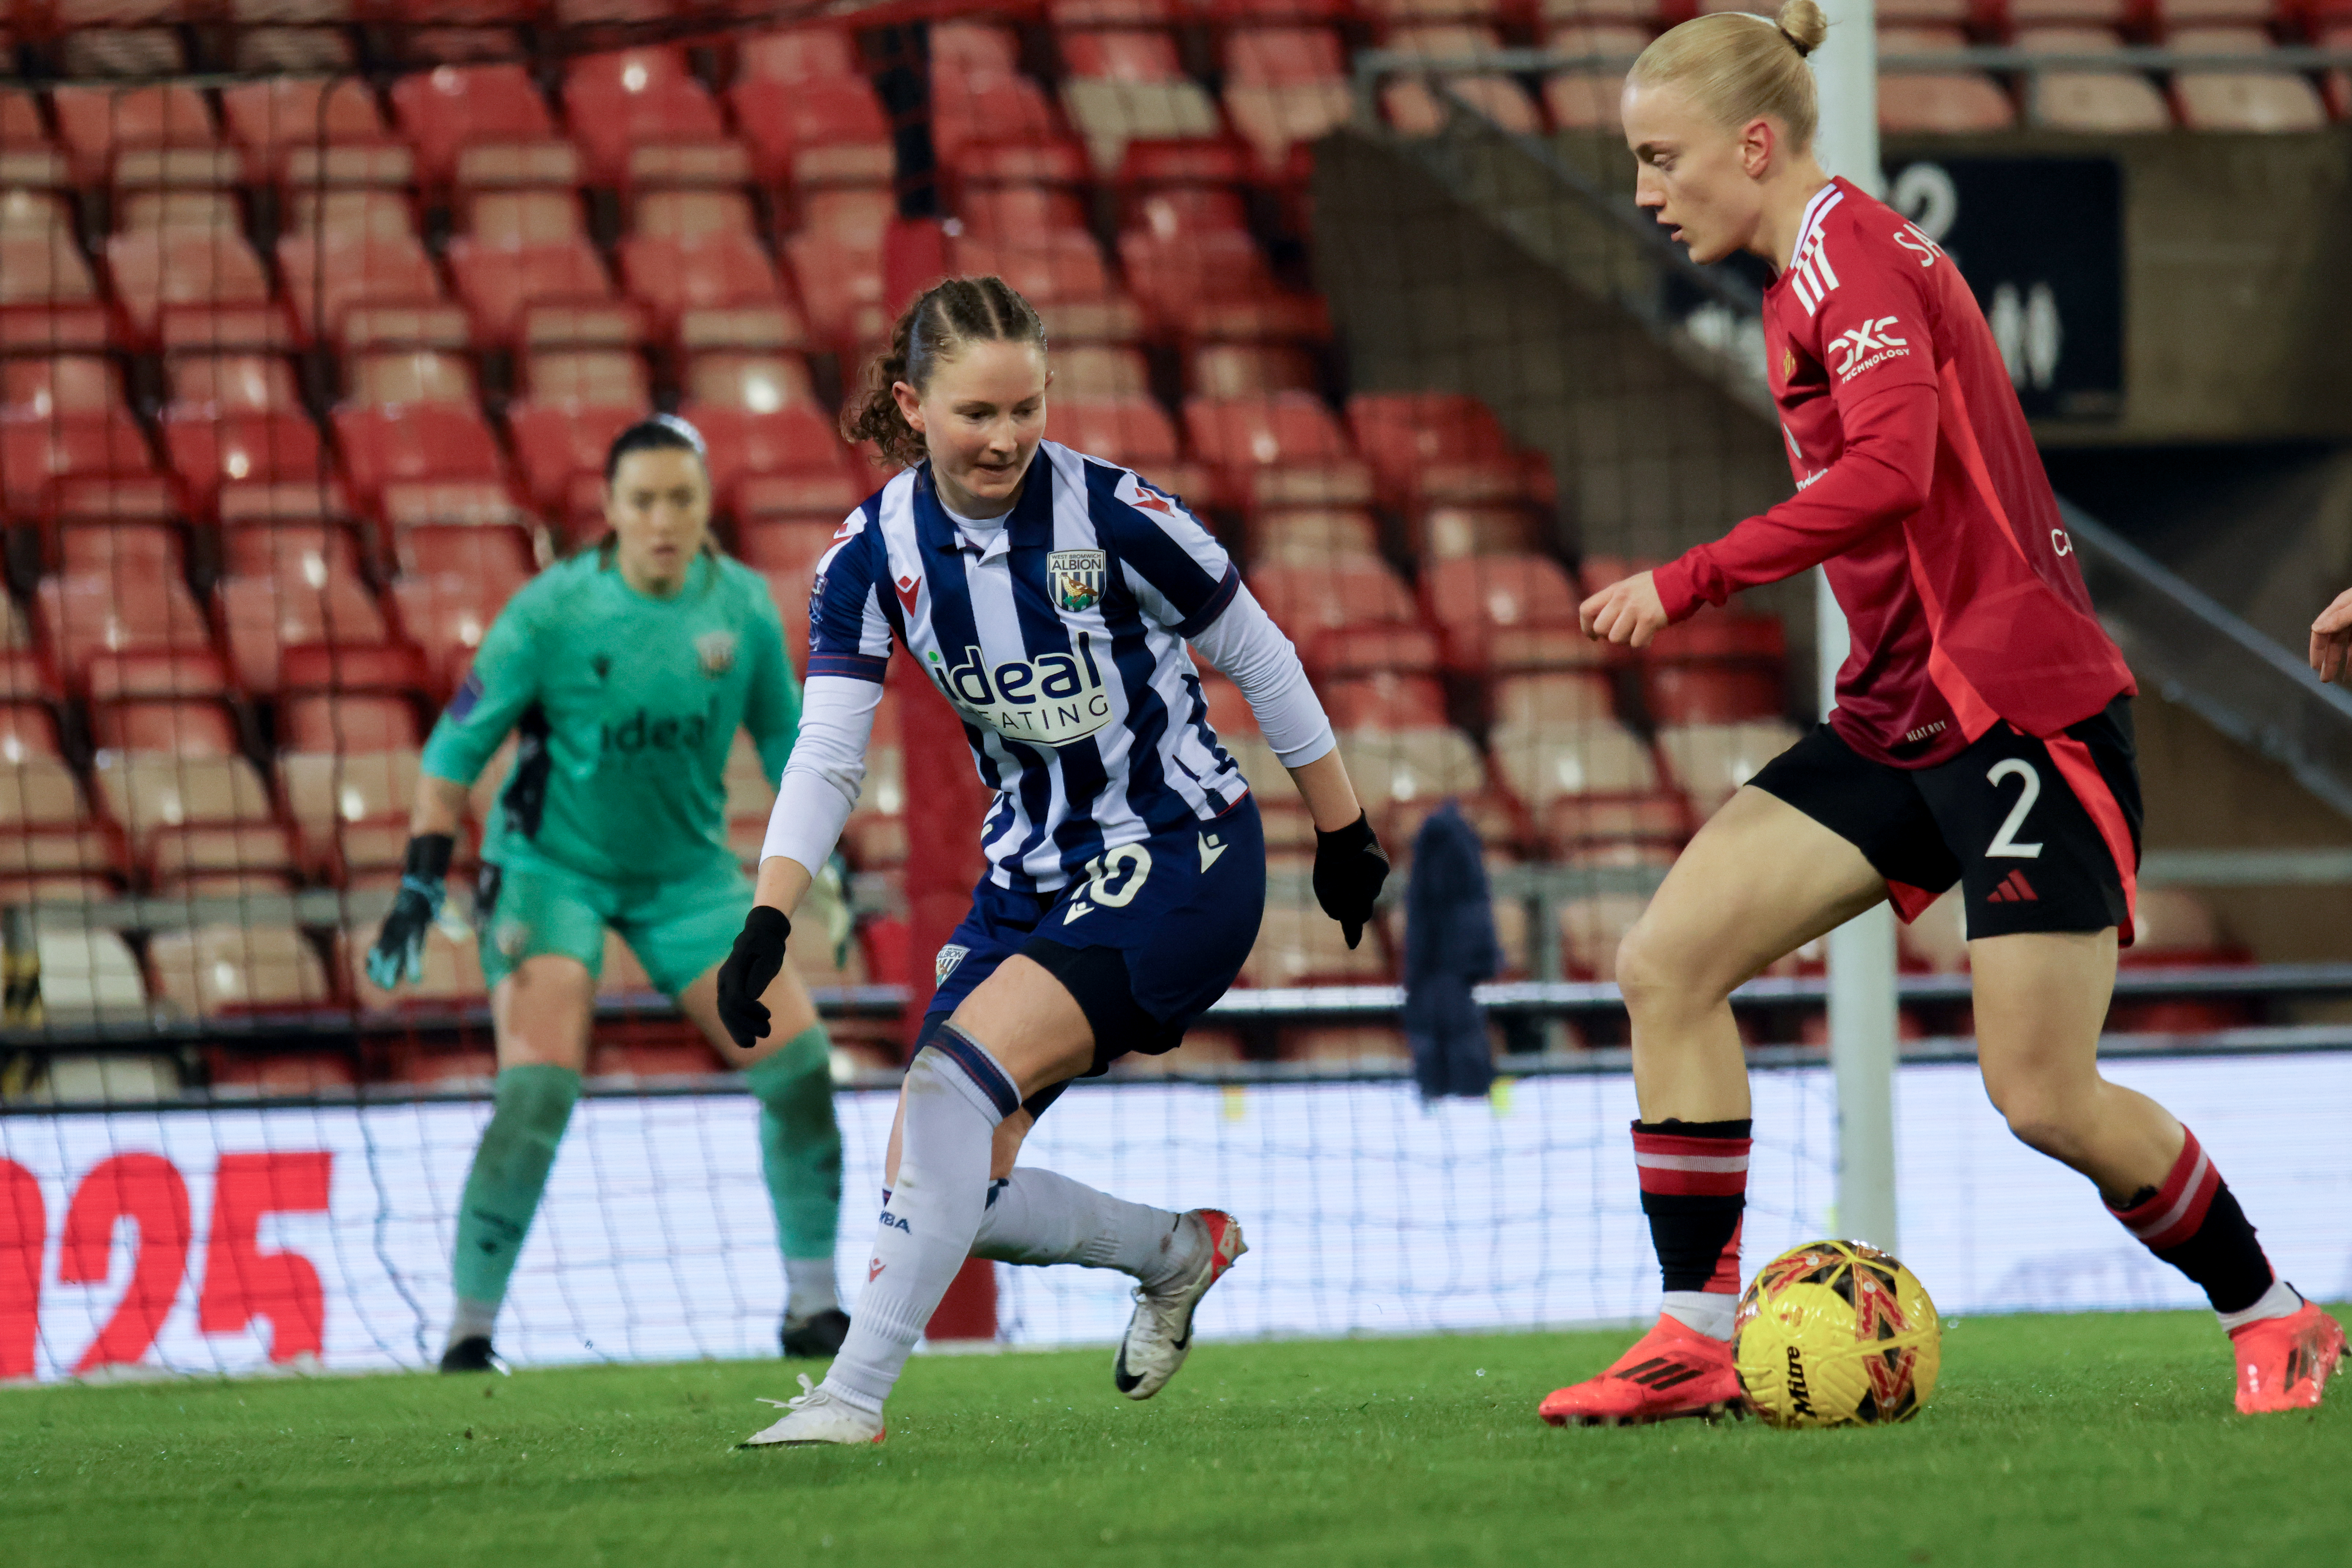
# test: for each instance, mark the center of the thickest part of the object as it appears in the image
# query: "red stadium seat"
(1014, 213)
(141, 548)
(1505, 612)
(840, 286)
(759, 382)
(2101, 101)
(607, 377)
(690, 215)
(2260, 100)
(559, 441)
(67, 384)
(1174, 212)
(394, 443)
(208, 449)
(1385, 701)
(478, 120)
(487, 554)
(1099, 370)
(1437, 447)
(797, 55)
(1311, 536)
(1061, 273)
(1444, 532)
(1216, 285)
(261, 616)
(715, 291)
(1350, 616)
(1713, 761)
(1284, 448)
(824, 130)
(230, 971)
(314, 550)
(36, 453)
(212, 280)
(232, 384)
(1132, 429)
(143, 136)
(48, 300)
(795, 439)
(368, 289)
(412, 375)
(1124, 84)
(636, 110)
(825, 494)
(974, 44)
(525, 268)
(1944, 102)
(28, 158)
(1285, 87)
(789, 548)
(1587, 99)
(299, 132)
(445, 616)
(1712, 693)
(161, 765)
(347, 724)
(1249, 369)
(1414, 111)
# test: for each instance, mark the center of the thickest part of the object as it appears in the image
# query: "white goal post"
(1861, 1010)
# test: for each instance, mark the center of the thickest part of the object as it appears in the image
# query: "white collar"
(1828, 197)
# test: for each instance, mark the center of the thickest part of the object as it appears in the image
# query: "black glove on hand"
(399, 951)
(1349, 867)
(743, 979)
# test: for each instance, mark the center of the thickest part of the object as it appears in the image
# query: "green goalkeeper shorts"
(677, 928)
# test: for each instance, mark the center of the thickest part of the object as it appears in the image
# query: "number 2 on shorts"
(2004, 843)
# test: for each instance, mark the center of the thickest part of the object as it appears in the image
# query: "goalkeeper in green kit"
(624, 673)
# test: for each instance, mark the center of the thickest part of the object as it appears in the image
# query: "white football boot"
(1160, 1335)
(814, 1416)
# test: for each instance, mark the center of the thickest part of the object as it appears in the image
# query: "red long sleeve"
(1882, 476)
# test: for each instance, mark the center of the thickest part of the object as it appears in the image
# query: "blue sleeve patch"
(461, 703)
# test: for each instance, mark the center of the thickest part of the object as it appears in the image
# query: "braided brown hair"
(937, 327)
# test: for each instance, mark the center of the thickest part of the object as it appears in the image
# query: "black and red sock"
(1694, 1192)
(2193, 1222)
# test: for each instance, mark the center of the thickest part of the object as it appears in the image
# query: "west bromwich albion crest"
(716, 650)
(1077, 576)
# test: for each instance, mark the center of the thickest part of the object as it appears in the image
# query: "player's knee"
(2043, 1116)
(1657, 972)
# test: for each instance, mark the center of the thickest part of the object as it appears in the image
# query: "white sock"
(2281, 1301)
(472, 1320)
(955, 1095)
(1038, 1217)
(808, 1283)
(1709, 1312)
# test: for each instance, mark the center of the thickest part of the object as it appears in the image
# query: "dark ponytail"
(936, 328)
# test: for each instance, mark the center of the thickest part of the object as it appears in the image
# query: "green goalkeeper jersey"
(624, 709)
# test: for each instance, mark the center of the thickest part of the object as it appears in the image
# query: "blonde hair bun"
(1804, 25)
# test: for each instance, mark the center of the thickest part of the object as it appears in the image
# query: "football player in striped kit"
(1049, 596)
(1982, 735)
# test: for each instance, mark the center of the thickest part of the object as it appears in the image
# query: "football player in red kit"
(1982, 733)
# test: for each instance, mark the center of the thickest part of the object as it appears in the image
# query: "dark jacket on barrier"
(1449, 945)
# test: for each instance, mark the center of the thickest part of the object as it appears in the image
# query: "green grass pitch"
(2055, 1440)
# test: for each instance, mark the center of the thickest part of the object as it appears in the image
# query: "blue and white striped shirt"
(1059, 639)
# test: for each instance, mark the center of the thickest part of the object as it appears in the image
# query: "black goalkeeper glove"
(1349, 867)
(743, 979)
(399, 951)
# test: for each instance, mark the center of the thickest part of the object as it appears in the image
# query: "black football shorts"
(2041, 835)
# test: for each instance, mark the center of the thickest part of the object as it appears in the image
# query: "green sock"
(532, 1104)
(799, 1154)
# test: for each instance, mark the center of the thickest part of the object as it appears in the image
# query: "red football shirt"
(1919, 490)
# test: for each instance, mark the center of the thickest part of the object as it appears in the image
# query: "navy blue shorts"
(1152, 937)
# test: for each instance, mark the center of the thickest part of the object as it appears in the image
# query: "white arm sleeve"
(827, 768)
(1249, 649)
